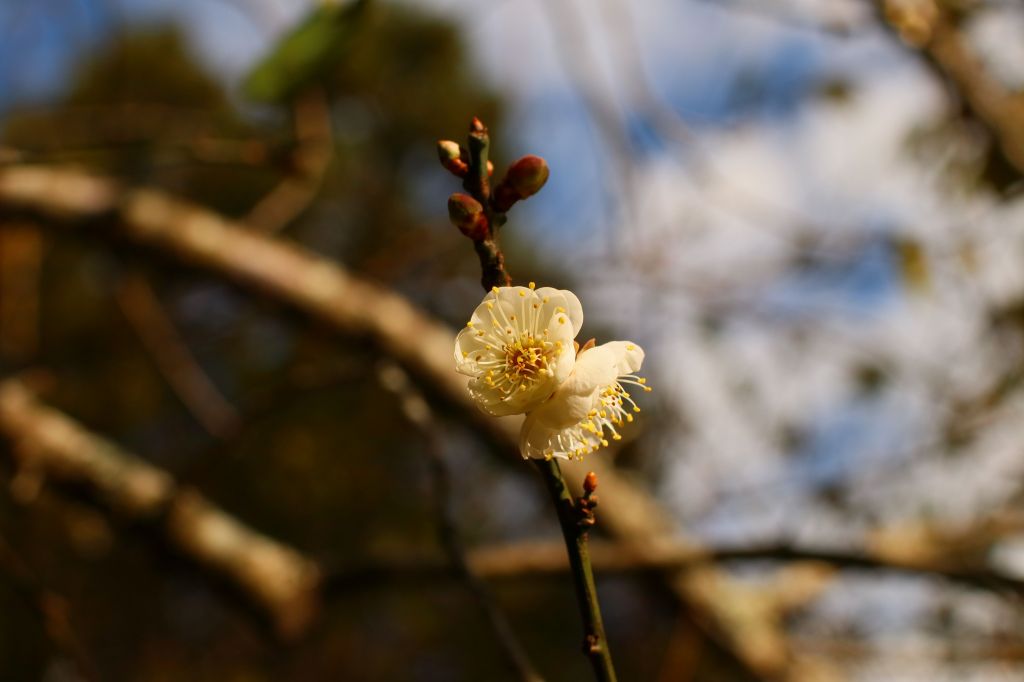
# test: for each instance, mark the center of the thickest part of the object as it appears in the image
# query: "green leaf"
(306, 52)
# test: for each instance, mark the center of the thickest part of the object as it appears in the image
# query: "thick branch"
(275, 577)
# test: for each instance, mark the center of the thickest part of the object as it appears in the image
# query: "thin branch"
(574, 518)
(273, 576)
(544, 559)
(517, 561)
(418, 413)
(173, 358)
(294, 194)
(477, 183)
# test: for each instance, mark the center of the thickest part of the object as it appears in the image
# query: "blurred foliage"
(308, 53)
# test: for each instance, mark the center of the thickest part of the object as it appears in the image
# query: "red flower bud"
(467, 214)
(590, 483)
(527, 175)
(524, 178)
(452, 157)
(502, 198)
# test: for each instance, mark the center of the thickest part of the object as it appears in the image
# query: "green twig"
(477, 183)
(574, 521)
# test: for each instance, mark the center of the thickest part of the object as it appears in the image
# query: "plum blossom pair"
(519, 348)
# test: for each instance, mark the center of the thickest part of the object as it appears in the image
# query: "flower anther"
(518, 347)
(589, 408)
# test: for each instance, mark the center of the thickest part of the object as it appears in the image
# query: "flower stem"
(477, 183)
(595, 644)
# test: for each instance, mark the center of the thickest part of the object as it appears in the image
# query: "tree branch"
(572, 519)
(931, 29)
(544, 559)
(174, 359)
(539, 559)
(273, 576)
(292, 195)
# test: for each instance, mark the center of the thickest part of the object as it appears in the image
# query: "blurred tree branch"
(273, 576)
(537, 559)
(543, 558)
(173, 359)
(931, 28)
(314, 144)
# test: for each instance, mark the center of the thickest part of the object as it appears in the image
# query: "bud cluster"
(474, 213)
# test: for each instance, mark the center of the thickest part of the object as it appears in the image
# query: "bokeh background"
(807, 212)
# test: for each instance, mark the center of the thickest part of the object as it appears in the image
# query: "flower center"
(612, 411)
(527, 360)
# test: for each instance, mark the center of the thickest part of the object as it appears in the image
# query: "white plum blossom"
(589, 407)
(518, 347)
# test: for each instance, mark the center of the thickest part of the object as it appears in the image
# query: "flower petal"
(588, 407)
(517, 347)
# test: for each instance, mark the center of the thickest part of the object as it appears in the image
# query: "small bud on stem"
(585, 505)
(524, 178)
(527, 175)
(467, 214)
(452, 158)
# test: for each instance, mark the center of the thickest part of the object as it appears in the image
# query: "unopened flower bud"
(527, 175)
(590, 483)
(451, 156)
(502, 198)
(467, 214)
